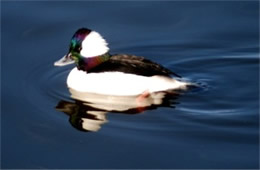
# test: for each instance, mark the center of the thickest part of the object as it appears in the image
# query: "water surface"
(215, 44)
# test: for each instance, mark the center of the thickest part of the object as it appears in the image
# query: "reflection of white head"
(94, 125)
(94, 45)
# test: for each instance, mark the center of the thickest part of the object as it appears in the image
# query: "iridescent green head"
(85, 43)
(77, 39)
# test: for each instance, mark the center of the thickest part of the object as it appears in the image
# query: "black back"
(133, 65)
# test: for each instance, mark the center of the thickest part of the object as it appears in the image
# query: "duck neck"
(86, 64)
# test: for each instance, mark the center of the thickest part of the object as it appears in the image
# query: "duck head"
(85, 45)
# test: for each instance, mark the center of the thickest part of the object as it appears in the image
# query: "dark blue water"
(215, 44)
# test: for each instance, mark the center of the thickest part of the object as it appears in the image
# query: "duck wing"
(133, 65)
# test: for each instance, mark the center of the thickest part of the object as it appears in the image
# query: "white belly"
(118, 83)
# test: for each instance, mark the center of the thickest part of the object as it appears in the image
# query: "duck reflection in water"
(88, 110)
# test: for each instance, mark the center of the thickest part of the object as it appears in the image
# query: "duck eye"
(77, 49)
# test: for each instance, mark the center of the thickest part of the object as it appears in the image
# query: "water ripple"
(197, 107)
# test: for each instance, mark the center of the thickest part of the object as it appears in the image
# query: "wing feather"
(133, 64)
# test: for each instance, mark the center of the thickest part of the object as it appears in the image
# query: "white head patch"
(94, 45)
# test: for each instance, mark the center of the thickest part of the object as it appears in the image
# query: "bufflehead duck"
(100, 72)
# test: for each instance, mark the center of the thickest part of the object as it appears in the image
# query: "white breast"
(118, 83)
